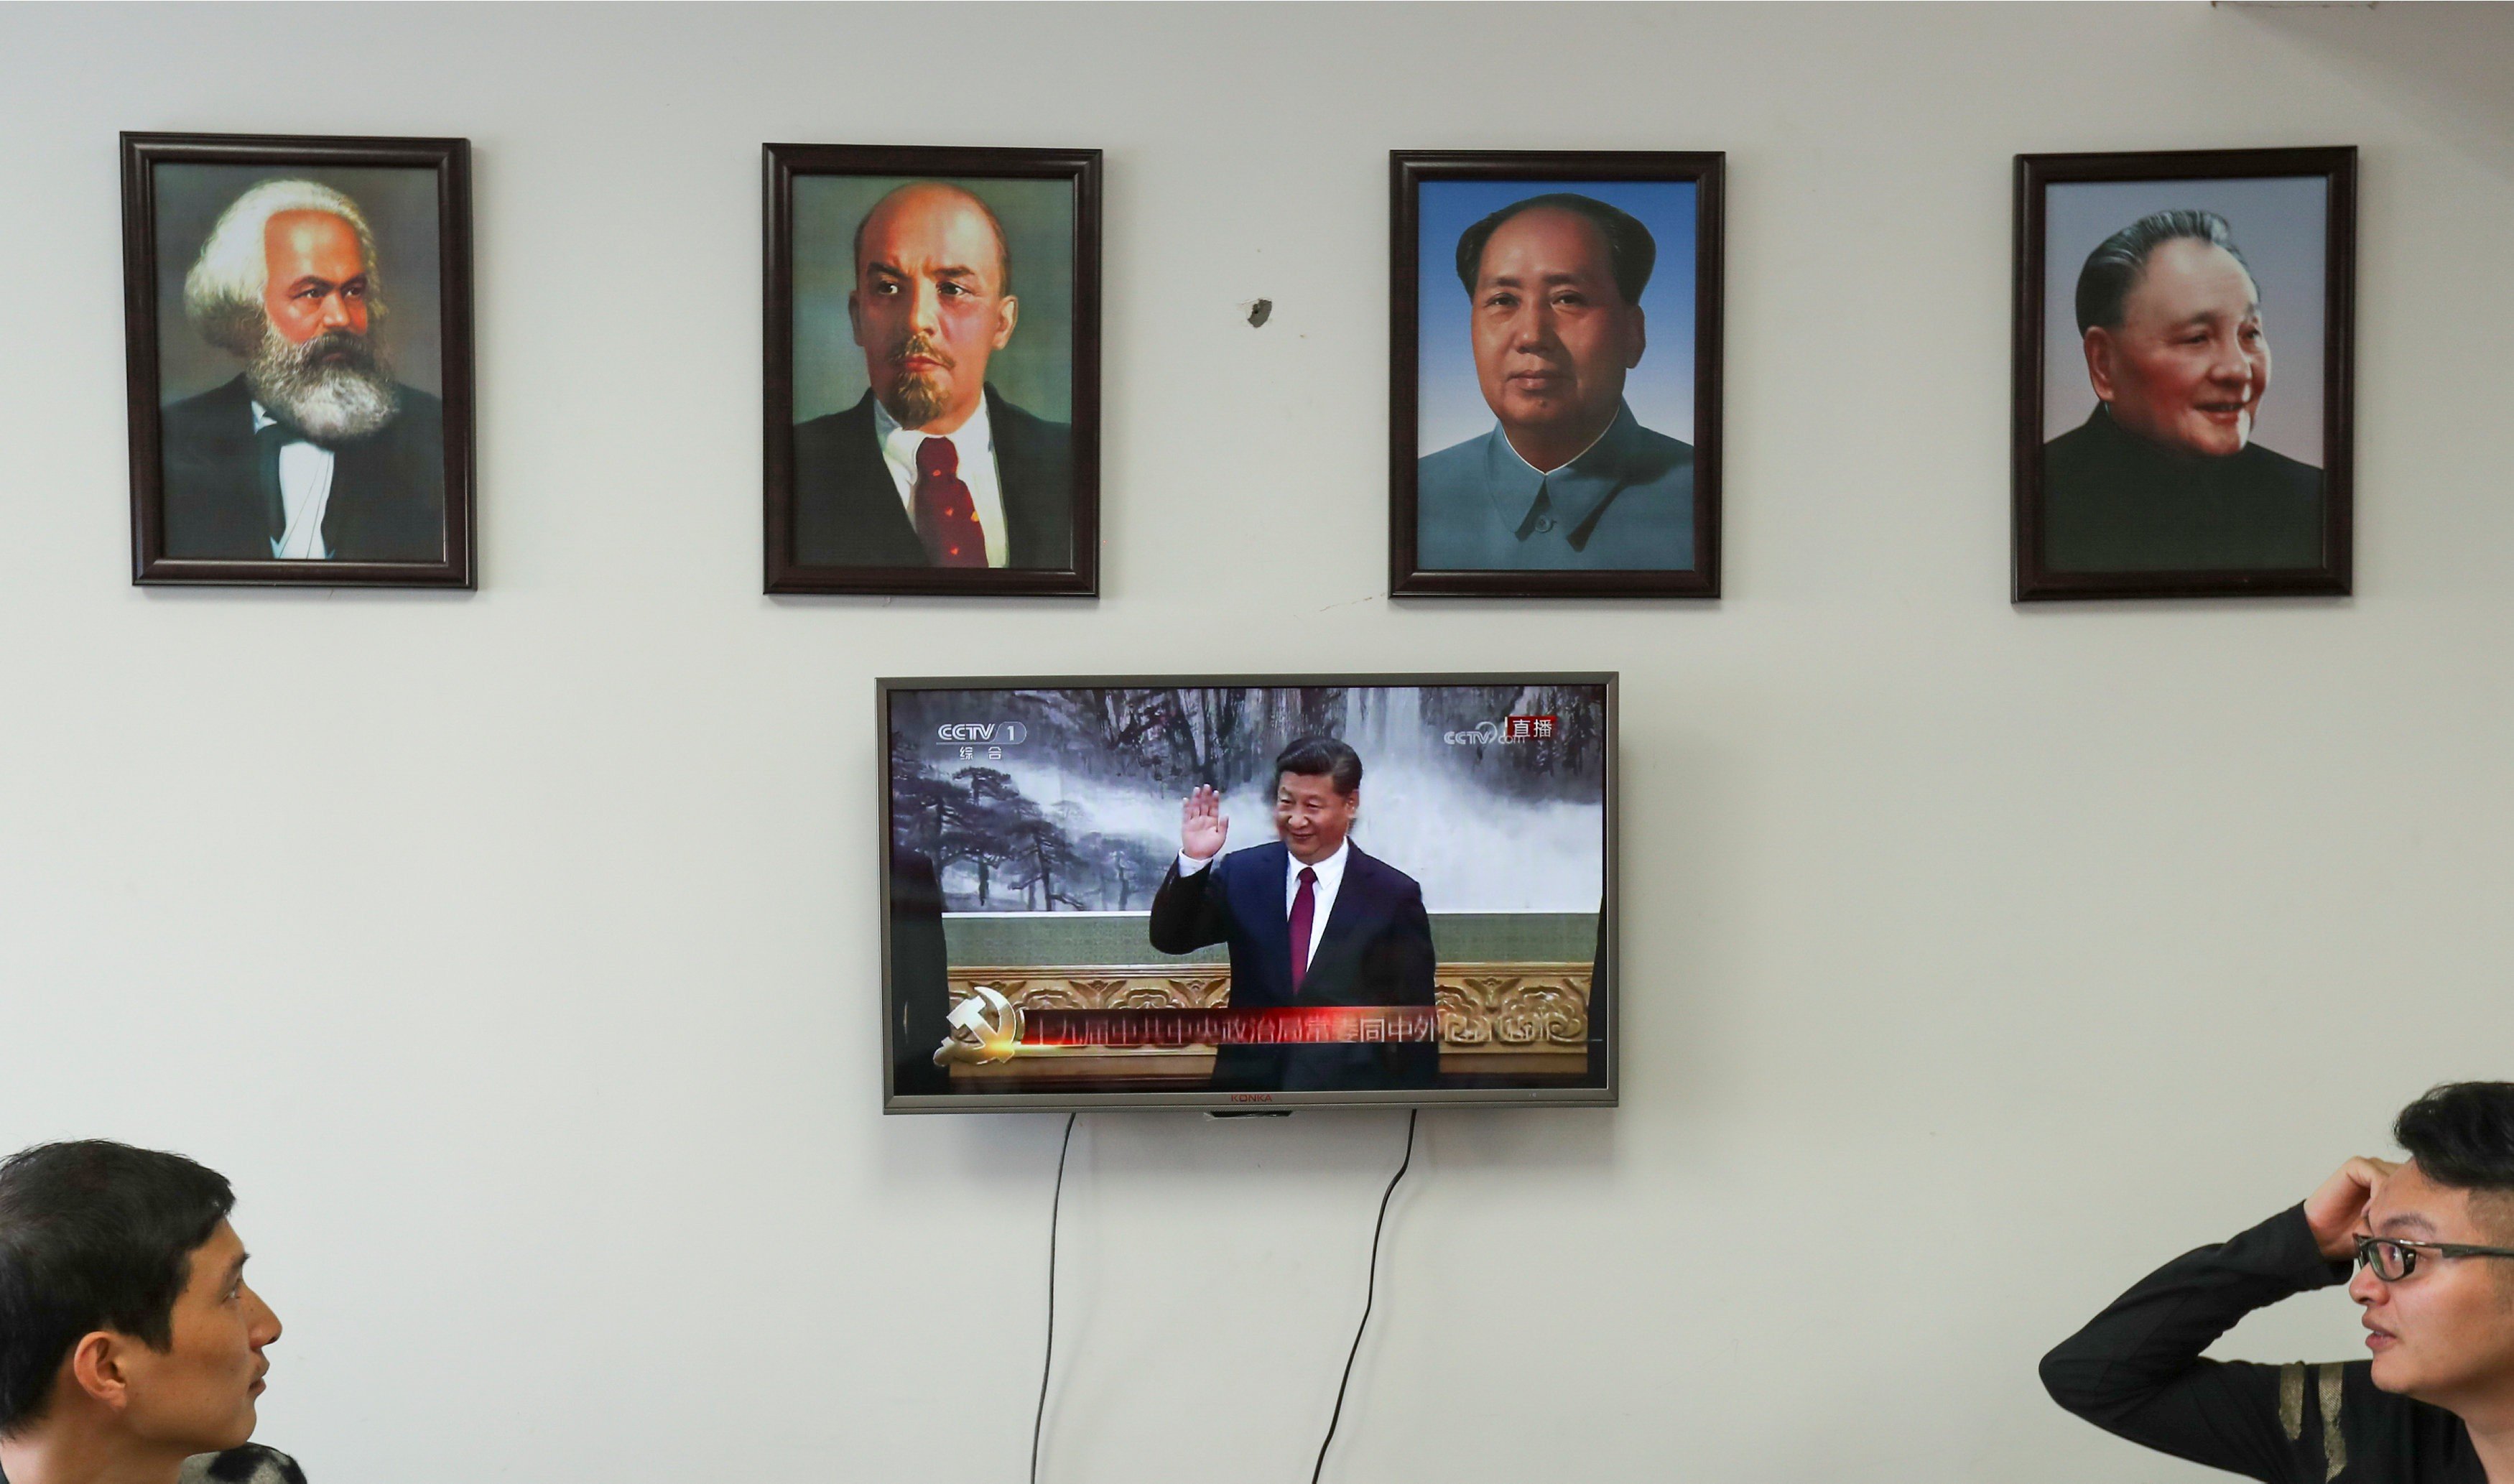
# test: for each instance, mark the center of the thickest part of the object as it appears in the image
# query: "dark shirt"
(2113, 501)
(2136, 1370)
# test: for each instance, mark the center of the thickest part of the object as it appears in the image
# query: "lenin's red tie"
(1305, 907)
(947, 517)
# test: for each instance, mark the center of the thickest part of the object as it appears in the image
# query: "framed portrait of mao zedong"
(2182, 422)
(933, 370)
(298, 322)
(1553, 373)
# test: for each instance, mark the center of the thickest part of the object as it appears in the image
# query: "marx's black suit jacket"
(1375, 950)
(848, 513)
(387, 500)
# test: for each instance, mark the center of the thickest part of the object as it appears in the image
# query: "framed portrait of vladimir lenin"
(1553, 373)
(933, 370)
(2182, 424)
(298, 322)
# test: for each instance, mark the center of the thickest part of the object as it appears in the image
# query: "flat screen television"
(1248, 891)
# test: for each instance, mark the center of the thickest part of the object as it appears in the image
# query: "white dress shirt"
(975, 443)
(1323, 896)
(304, 490)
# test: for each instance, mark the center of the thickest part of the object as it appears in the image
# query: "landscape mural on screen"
(1068, 800)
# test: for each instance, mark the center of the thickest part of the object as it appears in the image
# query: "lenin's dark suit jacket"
(848, 513)
(1375, 950)
(388, 500)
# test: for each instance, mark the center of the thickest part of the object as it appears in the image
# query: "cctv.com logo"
(1509, 729)
(1001, 733)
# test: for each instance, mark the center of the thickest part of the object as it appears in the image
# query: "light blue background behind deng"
(2279, 221)
(1451, 406)
(1036, 367)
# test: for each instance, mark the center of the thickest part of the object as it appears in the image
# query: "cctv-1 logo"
(996, 734)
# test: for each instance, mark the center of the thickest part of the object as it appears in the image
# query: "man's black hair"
(2113, 268)
(2461, 1134)
(93, 1235)
(1631, 250)
(1311, 756)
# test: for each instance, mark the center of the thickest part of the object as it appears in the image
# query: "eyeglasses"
(2394, 1260)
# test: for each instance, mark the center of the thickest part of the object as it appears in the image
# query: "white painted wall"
(515, 951)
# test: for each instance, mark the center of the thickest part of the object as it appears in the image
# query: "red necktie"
(947, 517)
(1305, 907)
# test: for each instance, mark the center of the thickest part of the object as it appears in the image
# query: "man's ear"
(98, 1365)
(1007, 315)
(854, 317)
(1640, 339)
(2100, 347)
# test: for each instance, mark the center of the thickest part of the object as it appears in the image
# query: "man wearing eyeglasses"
(2433, 1242)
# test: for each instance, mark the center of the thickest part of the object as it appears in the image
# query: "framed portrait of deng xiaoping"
(2182, 422)
(298, 321)
(1553, 373)
(933, 370)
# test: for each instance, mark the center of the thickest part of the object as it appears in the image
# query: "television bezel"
(1606, 974)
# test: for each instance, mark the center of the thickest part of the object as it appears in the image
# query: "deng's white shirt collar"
(975, 443)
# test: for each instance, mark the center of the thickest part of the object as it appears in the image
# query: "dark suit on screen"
(223, 502)
(1375, 950)
(847, 509)
(920, 981)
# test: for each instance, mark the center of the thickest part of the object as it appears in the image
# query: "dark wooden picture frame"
(819, 464)
(226, 477)
(1541, 173)
(2259, 503)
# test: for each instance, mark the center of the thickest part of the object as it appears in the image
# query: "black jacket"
(2136, 1370)
(1375, 949)
(2115, 502)
(848, 513)
(387, 501)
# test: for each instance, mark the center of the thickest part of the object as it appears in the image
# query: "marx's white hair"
(222, 293)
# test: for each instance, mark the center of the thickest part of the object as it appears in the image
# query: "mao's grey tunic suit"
(1625, 504)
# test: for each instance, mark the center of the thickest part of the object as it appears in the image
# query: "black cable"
(1371, 1292)
(1055, 1209)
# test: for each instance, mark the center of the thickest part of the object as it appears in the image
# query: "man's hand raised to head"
(2335, 1210)
(1202, 826)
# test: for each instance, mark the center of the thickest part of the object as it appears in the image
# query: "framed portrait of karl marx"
(933, 370)
(298, 321)
(2182, 422)
(1553, 373)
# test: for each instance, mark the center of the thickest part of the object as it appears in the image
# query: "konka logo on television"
(1001, 733)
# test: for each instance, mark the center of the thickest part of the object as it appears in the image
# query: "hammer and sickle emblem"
(985, 1027)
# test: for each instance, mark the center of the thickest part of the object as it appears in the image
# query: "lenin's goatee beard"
(335, 389)
(918, 399)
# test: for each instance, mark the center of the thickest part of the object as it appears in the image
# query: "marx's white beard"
(336, 387)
